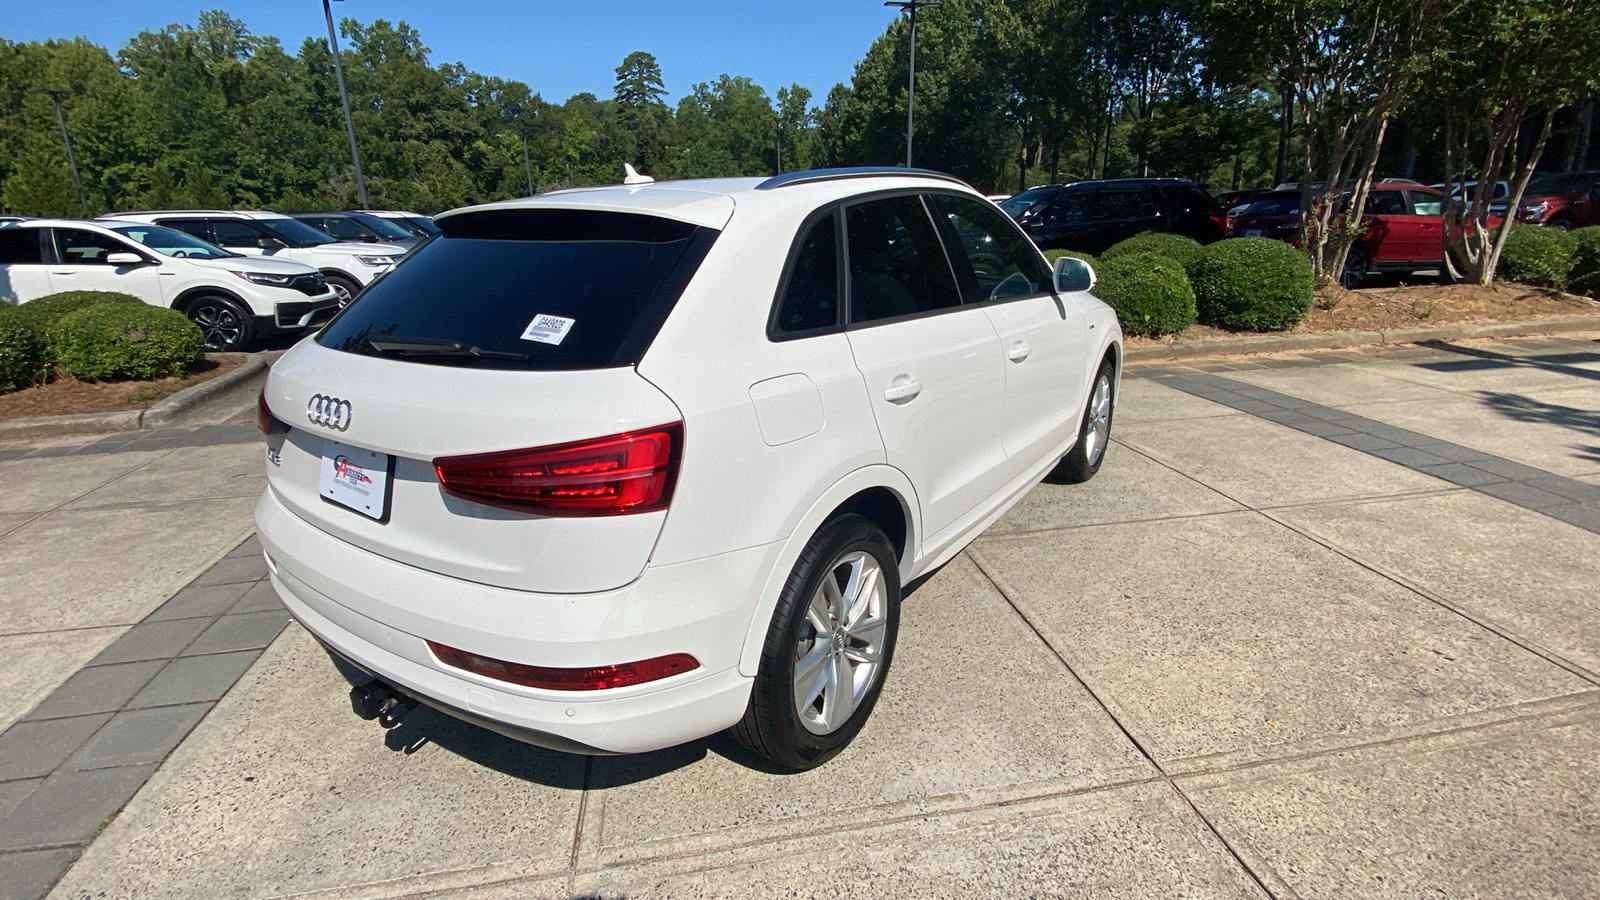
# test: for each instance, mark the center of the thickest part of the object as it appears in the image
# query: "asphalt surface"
(1324, 625)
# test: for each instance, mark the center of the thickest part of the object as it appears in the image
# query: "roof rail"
(810, 176)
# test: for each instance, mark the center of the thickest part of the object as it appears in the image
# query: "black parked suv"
(1090, 216)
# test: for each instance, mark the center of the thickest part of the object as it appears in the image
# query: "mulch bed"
(66, 395)
(1385, 308)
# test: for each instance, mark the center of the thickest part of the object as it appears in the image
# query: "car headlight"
(266, 278)
(1535, 211)
(376, 262)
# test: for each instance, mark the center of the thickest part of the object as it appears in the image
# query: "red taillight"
(624, 473)
(592, 678)
(265, 420)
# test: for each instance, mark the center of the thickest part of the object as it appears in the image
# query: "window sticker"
(548, 329)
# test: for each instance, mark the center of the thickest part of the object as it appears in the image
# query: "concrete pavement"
(1247, 659)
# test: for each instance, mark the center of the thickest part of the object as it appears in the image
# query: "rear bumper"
(378, 614)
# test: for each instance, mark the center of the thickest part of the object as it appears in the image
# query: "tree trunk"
(1238, 166)
(1580, 155)
(1280, 172)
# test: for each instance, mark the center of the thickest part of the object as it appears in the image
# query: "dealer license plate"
(356, 479)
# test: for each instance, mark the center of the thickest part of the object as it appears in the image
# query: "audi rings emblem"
(329, 412)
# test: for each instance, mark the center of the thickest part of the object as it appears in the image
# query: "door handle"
(1019, 351)
(903, 388)
(63, 271)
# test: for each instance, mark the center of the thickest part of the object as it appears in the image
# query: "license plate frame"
(1254, 232)
(357, 479)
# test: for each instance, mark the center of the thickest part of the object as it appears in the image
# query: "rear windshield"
(538, 289)
(1275, 206)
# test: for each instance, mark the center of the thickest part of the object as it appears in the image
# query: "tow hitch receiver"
(376, 700)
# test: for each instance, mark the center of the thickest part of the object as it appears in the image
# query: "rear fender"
(879, 476)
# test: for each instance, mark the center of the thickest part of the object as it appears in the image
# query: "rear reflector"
(594, 678)
(265, 420)
(623, 473)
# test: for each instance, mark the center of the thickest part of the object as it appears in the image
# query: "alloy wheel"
(1094, 438)
(840, 646)
(219, 325)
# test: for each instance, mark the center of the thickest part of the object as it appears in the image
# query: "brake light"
(591, 678)
(266, 422)
(624, 473)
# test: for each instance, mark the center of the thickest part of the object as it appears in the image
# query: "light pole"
(349, 125)
(56, 95)
(911, 7)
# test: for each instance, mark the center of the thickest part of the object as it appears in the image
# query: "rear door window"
(200, 228)
(1387, 203)
(897, 264)
(541, 289)
(234, 233)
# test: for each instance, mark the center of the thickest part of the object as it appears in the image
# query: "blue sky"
(558, 48)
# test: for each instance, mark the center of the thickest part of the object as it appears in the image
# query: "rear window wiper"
(405, 346)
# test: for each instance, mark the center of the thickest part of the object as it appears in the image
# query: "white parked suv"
(236, 300)
(348, 267)
(615, 468)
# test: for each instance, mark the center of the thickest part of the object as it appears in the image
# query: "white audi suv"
(611, 469)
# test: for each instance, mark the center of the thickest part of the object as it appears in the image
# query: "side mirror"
(269, 243)
(125, 259)
(1073, 274)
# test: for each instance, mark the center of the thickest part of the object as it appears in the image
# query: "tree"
(1505, 67)
(1349, 63)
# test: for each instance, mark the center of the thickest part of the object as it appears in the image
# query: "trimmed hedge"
(1176, 247)
(1586, 262)
(1150, 293)
(1259, 284)
(47, 310)
(1054, 255)
(1542, 257)
(24, 356)
(115, 340)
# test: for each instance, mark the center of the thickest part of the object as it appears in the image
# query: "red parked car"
(1560, 200)
(1403, 229)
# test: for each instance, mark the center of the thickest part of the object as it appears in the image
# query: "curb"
(158, 415)
(164, 412)
(1276, 343)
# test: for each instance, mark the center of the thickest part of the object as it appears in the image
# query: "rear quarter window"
(562, 289)
(20, 245)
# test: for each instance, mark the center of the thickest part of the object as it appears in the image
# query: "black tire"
(1355, 268)
(225, 325)
(1559, 223)
(345, 286)
(772, 726)
(1094, 431)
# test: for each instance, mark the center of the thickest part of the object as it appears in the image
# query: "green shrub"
(1054, 255)
(1586, 262)
(1150, 293)
(46, 311)
(1542, 257)
(115, 340)
(24, 358)
(1258, 284)
(1176, 247)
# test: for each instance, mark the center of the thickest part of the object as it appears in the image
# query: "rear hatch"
(515, 330)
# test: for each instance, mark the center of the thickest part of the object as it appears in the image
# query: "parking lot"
(1324, 625)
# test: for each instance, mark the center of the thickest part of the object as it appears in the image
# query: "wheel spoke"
(830, 589)
(869, 631)
(811, 675)
(866, 590)
(817, 612)
(839, 701)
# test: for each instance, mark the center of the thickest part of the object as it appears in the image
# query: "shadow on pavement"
(1526, 409)
(1482, 360)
